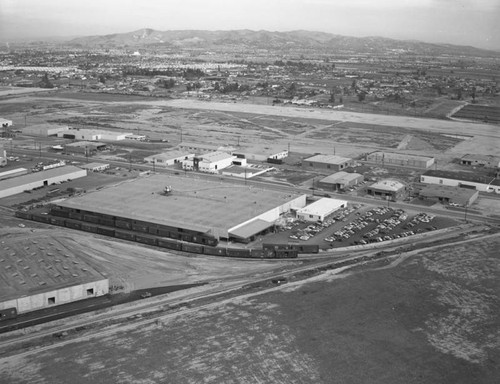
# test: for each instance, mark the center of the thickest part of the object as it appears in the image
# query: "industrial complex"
(184, 208)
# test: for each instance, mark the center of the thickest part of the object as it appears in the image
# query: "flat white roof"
(330, 159)
(323, 206)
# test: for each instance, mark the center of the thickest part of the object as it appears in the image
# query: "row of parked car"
(384, 225)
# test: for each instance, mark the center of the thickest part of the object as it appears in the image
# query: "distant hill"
(274, 40)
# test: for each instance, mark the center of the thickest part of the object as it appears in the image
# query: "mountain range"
(292, 40)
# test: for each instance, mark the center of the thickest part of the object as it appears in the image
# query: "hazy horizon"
(459, 22)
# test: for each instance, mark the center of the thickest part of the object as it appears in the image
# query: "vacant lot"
(431, 319)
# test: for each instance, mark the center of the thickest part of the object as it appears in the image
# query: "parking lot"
(358, 225)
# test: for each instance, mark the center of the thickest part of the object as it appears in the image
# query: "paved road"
(270, 185)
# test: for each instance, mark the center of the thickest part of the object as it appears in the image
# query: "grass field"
(433, 318)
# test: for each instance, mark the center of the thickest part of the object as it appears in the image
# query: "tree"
(332, 96)
(45, 82)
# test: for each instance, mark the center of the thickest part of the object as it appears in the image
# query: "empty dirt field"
(432, 318)
(259, 129)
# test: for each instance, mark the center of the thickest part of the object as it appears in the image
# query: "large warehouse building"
(44, 130)
(400, 159)
(183, 208)
(35, 274)
(328, 162)
(34, 180)
(461, 179)
(92, 134)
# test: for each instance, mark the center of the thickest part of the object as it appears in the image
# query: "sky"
(461, 22)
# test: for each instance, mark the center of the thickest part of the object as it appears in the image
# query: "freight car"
(8, 313)
(146, 239)
(192, 248)
(233, 252)
(169, 244)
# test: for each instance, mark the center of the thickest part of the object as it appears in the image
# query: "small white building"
(320, 209)
(210, 162)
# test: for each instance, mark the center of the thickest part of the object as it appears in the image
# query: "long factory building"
(183, 208)
(19, 184)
